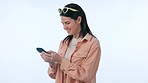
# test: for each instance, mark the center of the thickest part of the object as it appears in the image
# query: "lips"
(68, 31)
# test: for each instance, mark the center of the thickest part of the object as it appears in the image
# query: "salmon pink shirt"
(82, 65)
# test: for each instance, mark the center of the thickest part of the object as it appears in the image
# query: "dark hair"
(74, 15)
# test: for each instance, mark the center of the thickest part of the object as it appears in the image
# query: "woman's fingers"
(46, 57)
(51, 56)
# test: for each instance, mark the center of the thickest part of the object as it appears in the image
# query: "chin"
(69, 34)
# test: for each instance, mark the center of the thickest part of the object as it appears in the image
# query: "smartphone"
(41, 50)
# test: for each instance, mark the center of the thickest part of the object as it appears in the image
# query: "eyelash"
(67, 23)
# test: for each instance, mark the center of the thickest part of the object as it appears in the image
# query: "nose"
(65, 27)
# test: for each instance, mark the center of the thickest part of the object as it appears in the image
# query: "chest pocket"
(78, 57)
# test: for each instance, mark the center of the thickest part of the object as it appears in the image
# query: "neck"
(77, 35)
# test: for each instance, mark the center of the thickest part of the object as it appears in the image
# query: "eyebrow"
(66, 22)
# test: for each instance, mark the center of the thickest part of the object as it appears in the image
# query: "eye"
(67, 23)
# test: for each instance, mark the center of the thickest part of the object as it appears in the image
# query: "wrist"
(51, 63)
(61, 60)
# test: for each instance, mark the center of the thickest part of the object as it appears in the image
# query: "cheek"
(75, 28)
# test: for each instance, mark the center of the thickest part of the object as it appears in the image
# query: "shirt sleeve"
(52, 71)
(87, 70)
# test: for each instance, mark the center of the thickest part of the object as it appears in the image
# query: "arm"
(87, 70)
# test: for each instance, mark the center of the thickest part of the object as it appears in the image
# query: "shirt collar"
(87, 37)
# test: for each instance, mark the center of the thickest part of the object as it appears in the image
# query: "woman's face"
(71, 26)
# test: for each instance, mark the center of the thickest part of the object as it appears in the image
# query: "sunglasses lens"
(60, 10)
(65, 10)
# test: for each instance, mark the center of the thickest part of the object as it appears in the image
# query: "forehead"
(65, 19)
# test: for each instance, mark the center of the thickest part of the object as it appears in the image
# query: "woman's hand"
(51, 57)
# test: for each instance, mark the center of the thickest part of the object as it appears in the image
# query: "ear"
(79, 19)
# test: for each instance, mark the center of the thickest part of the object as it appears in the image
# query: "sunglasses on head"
(66, 9)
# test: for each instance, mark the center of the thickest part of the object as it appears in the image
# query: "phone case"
(40, 50)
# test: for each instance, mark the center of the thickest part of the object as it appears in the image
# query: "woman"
(79, 53)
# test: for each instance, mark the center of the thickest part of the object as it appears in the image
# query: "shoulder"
(89, 42)
(95, 42)
(91, 39)
(63, 43)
